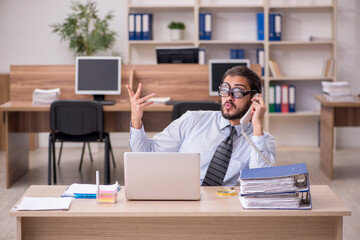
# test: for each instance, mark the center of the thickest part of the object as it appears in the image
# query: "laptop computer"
(162, 176)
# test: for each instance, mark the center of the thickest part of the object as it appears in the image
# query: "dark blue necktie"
(220, 162)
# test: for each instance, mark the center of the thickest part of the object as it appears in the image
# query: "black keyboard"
(107, 102)
(176, 102)
(172, 102)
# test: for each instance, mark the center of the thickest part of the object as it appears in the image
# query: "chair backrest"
(76, 117)
(181, 107)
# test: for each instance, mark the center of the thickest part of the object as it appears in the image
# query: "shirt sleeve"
(266, 145)
(169, 140)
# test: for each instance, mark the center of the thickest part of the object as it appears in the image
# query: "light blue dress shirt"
(202, 132)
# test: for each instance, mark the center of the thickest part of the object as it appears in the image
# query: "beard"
(239, 113)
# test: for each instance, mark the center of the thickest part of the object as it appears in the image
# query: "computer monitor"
(177, 54)
(98, 76)
(217, 68)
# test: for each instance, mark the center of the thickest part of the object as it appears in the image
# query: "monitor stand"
(102, 101)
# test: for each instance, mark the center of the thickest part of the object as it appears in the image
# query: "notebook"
(162, 176)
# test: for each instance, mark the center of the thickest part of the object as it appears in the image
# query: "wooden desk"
(334, 114)
(213, 217)
(21, 118)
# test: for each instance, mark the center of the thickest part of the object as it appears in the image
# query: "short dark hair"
(253, 79)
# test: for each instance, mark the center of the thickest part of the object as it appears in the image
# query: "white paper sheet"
(44, 203)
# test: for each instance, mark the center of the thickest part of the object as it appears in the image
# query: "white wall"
(25, 34)
(26, 38)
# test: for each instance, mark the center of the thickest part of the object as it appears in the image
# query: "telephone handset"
(245, 119)
(247, 116)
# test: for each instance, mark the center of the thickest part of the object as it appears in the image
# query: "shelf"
(157, 42)
(301, 78)
(300, 7)
(230, 6)
(301, 43)
(161, 6)
(295, 54)
(214, 42)
(295, 114)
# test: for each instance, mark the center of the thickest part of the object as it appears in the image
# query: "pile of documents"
(77, 190)
(45, 97)
(337, 91)
(281, 187)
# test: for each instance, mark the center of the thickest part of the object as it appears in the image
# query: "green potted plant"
(176, 29)
(86, 32)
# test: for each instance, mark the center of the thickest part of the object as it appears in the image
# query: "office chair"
(77, 121)
(181, 107)
(82, 154)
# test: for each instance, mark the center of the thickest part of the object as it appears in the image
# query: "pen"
(83, 196)
(97, 181)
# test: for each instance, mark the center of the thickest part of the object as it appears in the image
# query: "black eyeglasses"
(225, 91)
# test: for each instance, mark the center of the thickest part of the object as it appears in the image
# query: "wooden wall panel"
(4, 88)
(178, 81)
(4, 97)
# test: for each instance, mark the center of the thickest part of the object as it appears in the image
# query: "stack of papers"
(282, 187)
(337, 91)
(159, 99)
(45, 97)
(77, 190)
(275, 201)
(44, 203)
(269, 185)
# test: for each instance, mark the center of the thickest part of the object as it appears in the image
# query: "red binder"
(284, 98)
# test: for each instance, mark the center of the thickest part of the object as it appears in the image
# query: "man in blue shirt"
(202, 131)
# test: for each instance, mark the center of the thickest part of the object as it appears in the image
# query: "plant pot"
(175, 34)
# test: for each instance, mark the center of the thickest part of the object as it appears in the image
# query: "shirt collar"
(225, 123)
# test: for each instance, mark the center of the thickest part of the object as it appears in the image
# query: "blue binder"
(260, 26)
(265, 178)
(208, 26)
(202, 26)
(240, 53)
(147, 26)
(277, 26)
(131, 26)
(292, 98)
(138, 26)
(272, 27)
(274, 172)
(233, 54)
(260, 58)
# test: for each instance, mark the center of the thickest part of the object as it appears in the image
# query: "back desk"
(180, 82)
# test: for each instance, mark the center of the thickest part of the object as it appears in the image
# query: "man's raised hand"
(137, 105)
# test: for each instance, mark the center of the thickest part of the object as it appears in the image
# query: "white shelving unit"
(234, 26)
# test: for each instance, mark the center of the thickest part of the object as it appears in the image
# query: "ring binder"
(280, 187)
